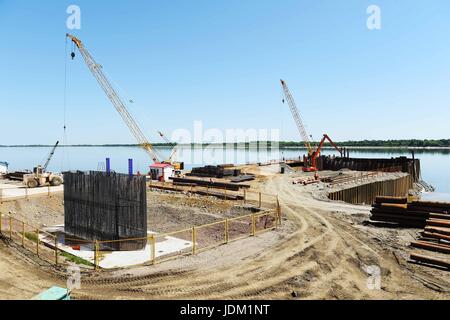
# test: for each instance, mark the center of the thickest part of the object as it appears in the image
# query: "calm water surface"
(435, 163)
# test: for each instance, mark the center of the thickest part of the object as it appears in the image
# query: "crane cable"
(64, 139)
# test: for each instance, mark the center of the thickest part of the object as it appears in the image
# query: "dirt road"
(20, 277)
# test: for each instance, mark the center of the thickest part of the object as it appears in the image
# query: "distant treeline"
(412, 143)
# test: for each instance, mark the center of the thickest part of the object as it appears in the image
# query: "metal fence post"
(96, 248)
(10, 228)
(253, 225)
(260, 200)
(23, 234)
(227, 236)
(37, 242)
(278, 211)
(225, 193)
(48, 191)
(56, 250)
(152, 249)
(26, 192)
(194, 238)
(245, 196)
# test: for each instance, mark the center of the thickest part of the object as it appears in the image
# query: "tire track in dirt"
(266, 270)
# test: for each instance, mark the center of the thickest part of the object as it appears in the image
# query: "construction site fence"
(244, 196)
(367, 193)
(197, 239)
(31, 238)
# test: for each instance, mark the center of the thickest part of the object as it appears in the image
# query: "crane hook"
(72, 55)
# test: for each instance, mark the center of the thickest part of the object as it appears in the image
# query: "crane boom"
(96, 70)
(174, 150)
(297, 118)
(50, 156)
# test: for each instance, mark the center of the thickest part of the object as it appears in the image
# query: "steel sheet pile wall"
(403, 164)
(367, 193)
(101, 206)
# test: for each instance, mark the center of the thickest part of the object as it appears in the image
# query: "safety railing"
(196, 239)
(244, 195)
(43, 244)
(191, 241)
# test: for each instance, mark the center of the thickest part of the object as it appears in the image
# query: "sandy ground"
(322, 251)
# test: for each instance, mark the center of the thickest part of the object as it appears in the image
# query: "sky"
(220, 62)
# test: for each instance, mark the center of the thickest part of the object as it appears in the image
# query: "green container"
(54, 293)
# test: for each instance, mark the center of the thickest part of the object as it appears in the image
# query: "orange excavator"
(312, 165)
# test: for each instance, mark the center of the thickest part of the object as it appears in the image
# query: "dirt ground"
(324, 250)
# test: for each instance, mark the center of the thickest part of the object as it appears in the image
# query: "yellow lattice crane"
(112, 95)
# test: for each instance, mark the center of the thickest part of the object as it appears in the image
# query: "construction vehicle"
(113, 96)
(316, 153)
(40, 177)
(313, 153)
(178, 166)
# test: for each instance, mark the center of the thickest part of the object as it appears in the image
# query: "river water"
(435, 163)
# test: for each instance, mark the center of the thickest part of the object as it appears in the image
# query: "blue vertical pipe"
(108, 165)
(130, 167)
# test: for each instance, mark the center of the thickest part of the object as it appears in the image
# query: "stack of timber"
(208, 183)
(243, 178)
(214, 172)
(435, 238)
(181, 187)
(416, 214)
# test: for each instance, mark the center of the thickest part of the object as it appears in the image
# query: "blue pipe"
(130, 167)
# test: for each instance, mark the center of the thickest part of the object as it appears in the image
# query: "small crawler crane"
(40, 177)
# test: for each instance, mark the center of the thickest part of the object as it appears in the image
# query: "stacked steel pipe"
(416, 214)
(436, 234)
(434, 217)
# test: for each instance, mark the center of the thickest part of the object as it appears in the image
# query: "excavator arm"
(112, 95)
(316, 153)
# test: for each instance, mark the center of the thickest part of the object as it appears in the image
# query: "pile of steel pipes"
(417, 214)
(435, 237)
(214, 172)
(434, 217)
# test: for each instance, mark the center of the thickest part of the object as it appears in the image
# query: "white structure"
(161, 171)
(3, 167)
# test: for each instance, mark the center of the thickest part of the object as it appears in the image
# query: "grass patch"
(31, 236)
(76, 259)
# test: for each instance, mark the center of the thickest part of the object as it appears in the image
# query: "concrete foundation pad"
(12, 192)
(118, 259)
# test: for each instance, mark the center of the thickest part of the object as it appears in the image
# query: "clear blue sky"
(220, 62)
